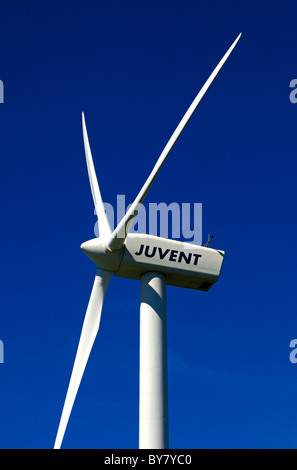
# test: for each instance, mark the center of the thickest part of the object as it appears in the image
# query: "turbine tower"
(126, 255)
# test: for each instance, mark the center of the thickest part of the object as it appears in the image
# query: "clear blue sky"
(134, 68)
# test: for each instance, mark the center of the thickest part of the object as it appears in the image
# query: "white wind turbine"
(156, 262)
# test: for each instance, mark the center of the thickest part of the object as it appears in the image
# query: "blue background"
(134, 68)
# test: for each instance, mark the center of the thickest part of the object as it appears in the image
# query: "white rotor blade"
(87, 338)
(118, 236)
(103, 224)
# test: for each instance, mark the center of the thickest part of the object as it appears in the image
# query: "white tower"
(153, 387)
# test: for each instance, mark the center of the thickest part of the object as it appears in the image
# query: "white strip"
(103, 224)
(118, 236)
(89, 331)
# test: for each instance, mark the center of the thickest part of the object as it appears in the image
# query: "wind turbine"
(156, 262)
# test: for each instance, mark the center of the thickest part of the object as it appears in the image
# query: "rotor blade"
(87, 338)
(103, 224)
(118, 236)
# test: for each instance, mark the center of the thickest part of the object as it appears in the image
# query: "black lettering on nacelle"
(171, 255)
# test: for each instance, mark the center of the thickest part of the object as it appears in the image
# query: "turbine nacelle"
(183, 264)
